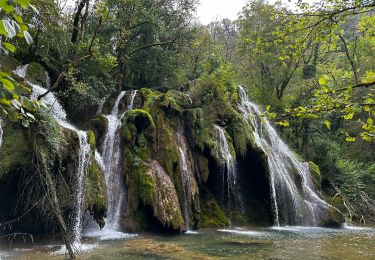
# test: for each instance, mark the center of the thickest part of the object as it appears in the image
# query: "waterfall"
(112, 162)
(84, 153)
(59, 114)
(21, 70)
(189, 184)
(185, 186)
(293, 198)
(229, 179)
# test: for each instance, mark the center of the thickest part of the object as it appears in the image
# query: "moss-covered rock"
(332, 217)
(99, 126)
(91, 139)
(315, 175)
(15, 151)
(37, 74)
(96, 193)
(212, 215)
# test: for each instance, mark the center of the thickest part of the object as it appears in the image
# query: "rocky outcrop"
(172, 167)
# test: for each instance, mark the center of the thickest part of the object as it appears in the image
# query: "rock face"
(20, 175)
(173, 166)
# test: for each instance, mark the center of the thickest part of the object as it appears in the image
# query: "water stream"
(229, 178)
(294, 200)
(185, 186)
(112, 159)
(59, 114)
(84, 152)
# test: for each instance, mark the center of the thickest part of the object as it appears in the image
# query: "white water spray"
(112, 162)
(185, 186)
(229, 178)
(84, 153)
(293, 198)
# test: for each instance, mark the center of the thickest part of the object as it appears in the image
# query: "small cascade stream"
(294, 201)
(189, 183)
(111, 159)
(229, 178)
(84, 152)
(84, 149)
(112, 163)
(185, 186)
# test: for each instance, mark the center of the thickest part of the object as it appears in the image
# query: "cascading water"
(21, 70)
(84, 152)
(294, 200)
(112, 162)
(59, 114)
(111, 159)
(189, 183)
(229, 178)
(185, 186)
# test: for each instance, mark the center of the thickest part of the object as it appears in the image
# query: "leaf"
(24, 3)
(16, 104)
(370, 121)
(322, 81)
(349, 138)
(328, 124)
(7, 84)
(28, 37)
(9, 46)
(11, 32)
(34, 8)
(28, 104)
(349, 116)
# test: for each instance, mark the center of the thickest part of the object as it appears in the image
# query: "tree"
(14, 104)
(317, 55)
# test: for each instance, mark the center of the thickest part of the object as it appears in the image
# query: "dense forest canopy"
(312, 68)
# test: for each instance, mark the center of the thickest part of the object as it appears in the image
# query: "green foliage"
(14, 105)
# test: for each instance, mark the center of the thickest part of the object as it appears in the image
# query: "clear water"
(291, 204)
(237, 243)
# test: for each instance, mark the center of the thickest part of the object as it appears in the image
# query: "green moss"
(15, 150)
(315, 174)
(91, 139)
(96, 193)
(140, 118)
(240, 132)
(99, 126)
(212, 215)
(36, 74)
